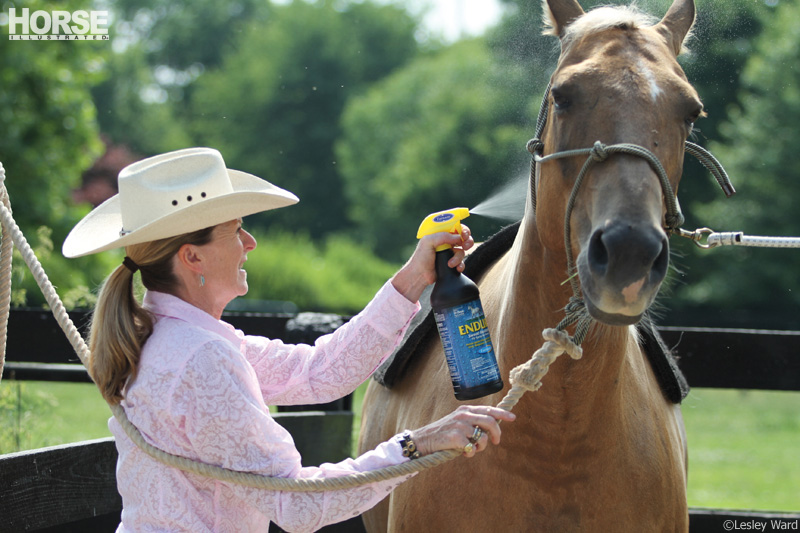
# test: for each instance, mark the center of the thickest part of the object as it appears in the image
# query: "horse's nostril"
(661, 263)
(598, 254)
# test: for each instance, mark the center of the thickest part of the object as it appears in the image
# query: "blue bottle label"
(467, 345)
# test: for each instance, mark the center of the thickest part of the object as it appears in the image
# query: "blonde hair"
(120, 325)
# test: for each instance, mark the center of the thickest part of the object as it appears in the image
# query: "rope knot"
(528, 375)
(575, 306)
(535, 146)
(599, 152)
(674, 221)
(564, 342)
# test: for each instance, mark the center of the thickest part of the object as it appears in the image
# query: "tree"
(183, 33)
(133, 109)
(274, 104)
(161, 48)
(443, 132)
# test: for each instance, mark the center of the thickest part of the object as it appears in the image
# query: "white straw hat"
(169, 195)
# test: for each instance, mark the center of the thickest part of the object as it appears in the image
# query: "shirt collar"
(166, 305)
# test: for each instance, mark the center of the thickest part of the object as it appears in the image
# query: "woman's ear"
(190, 257)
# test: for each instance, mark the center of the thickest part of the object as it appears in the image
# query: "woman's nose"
(249, 241)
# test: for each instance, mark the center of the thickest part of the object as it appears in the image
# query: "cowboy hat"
(172, 194)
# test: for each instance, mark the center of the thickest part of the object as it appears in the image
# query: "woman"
(197, 388)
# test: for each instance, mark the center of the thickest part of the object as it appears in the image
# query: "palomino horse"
(598, 447)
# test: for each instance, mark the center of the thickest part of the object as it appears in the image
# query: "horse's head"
(617, 81)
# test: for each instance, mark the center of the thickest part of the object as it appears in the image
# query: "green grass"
(38, 414)
(743, 445)
(743, 449)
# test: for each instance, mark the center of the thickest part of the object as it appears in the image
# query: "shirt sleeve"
(226, 423)
(338, 362)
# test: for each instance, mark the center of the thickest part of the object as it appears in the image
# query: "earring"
(202, 280)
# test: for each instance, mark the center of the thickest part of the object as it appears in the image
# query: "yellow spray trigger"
(448, 220)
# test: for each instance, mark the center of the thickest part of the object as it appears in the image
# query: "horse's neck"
(528, 294)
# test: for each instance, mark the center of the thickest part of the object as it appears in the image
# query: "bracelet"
(409, 448)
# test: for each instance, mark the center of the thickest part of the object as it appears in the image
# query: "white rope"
(6, 251)
(737, 238)
(528, 376)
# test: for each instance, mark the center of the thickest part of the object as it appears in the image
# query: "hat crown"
(163, 184)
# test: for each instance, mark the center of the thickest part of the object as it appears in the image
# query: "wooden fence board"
(737, 359)
(57, 485)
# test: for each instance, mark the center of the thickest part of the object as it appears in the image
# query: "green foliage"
(338, 276)
(443, 132)
(49, 134)
(758, 150)
(274, 104)
(133, 109)
(183, 33)
(49, 137)
(142, 103)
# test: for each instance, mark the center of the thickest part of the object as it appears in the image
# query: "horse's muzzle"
(621, 271)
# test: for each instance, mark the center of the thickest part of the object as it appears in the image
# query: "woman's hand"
(454, 431)
(420, 270)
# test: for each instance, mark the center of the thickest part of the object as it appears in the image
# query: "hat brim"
(100, 230)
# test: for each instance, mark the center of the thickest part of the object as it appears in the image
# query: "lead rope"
(12, 235)
(6, 253)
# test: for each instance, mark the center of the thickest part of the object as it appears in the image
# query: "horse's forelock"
(603, 18)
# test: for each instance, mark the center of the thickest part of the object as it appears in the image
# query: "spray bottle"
(456, 304)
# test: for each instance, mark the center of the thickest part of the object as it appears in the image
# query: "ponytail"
(120, 325)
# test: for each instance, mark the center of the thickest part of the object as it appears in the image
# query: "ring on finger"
(476, 435)
(468, 447)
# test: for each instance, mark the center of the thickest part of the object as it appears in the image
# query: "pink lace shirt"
(202, 391)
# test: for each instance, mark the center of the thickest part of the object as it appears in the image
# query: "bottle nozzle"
(448, 220)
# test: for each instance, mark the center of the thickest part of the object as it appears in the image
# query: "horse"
(598, 447)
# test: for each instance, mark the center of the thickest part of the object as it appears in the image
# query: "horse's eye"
(560, 100)
(694, 115)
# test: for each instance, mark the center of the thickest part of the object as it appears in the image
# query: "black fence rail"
(73, 488)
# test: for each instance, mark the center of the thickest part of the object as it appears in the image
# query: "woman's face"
(225, 256)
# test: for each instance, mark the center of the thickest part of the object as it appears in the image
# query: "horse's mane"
(599, 19)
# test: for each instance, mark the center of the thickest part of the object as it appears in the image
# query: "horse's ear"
(677, 22)
(559, 13)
